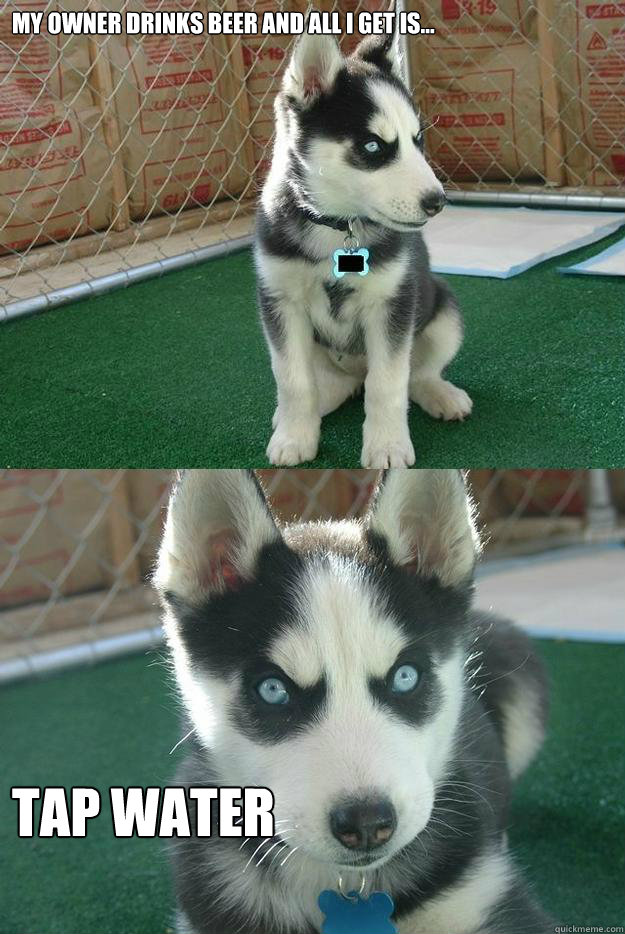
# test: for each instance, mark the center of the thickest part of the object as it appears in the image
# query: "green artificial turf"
(115, 724)
(174, 372)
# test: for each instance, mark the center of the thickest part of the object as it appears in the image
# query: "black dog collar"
(336, 223)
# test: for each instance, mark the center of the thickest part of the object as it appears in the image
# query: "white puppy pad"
(502, 242)
(574, 593)
(610, 262)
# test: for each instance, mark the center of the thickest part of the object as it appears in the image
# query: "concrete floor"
(576, 593)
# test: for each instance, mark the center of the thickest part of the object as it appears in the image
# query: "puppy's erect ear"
(312, 69)
(383, 51)
(426, 518)
(217, 522)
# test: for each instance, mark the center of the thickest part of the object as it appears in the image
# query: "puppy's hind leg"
(333, 384)
(433, 348)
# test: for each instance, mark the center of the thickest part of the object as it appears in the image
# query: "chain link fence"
(123, 156)
(77, 546)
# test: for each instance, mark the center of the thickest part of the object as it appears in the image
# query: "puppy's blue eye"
(372, 146)
(405, 679)
(273, 691)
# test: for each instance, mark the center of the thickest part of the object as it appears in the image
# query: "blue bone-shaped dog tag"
(357, 915)
(351, 261)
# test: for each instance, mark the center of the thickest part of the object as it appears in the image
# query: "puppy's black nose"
(433, 202)
(363, 824)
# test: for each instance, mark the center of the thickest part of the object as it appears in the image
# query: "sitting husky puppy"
(340, 665)
(349, 151)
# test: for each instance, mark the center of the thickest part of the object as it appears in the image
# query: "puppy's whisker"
(277, 843)
(456, 830)
(429, 123)
(444, 810)
(288, 856)
(180, 742)
(258, 848)
(282, 833)
(277, 854)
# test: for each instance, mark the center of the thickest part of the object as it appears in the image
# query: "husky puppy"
(340, 665)
(349, 145)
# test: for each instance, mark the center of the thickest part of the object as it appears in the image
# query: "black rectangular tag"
(351, 262)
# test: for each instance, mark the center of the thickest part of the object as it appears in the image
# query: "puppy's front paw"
(441, 399)
(383, 450)
(292, 444)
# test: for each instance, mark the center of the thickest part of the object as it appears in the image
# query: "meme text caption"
(147, 812)
(232, 22)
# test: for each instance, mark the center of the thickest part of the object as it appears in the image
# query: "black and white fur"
(395, 329)
(332, 609)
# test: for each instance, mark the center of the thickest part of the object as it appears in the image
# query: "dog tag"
(353, 914)
(351, 261)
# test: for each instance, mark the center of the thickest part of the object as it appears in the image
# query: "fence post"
(600, 511)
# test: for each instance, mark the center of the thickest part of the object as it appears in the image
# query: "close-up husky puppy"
(341, 665)
(348, 160)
